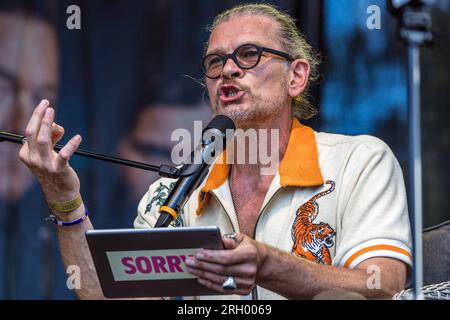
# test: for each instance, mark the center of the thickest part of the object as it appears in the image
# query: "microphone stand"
(163, 170)
(415, 31)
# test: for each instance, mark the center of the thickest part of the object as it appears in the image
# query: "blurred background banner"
(130, 75)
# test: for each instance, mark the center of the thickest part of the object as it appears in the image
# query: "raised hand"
(59, 181)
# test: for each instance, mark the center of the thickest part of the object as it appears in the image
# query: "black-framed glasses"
(246, 56)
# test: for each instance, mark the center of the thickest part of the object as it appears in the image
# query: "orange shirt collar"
(298, 168)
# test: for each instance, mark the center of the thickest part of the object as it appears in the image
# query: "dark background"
(131, 58)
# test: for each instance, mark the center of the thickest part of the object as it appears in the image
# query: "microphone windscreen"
(221, 123)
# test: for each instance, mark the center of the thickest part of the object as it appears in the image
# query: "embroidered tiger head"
(312, 241)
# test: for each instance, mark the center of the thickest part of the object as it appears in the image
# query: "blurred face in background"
(150, 140)
(28, 73)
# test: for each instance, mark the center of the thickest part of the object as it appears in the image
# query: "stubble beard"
(253, 114)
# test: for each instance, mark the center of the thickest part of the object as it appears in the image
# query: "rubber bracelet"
(67, 223)
(67, 206)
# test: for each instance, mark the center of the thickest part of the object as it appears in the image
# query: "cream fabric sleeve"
(374, 219)
(146, 219)
(148, 208)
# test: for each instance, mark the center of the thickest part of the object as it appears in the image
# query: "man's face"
(28, 73)
(262, 91)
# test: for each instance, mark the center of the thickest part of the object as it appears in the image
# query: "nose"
(231, 70)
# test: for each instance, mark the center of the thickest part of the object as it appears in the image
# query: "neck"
(257, 152)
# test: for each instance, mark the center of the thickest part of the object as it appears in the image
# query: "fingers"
(23, 153)
(57, 133)
(231, 241)
(214, 280)
(212, 266)
(33, 126)
(216, 283)
(219, 288)
(67, 151)
(241, 254)
(42, 134)
(58, 180)
(200, 268)
(43, 140)
(229, 244)
(214, 286)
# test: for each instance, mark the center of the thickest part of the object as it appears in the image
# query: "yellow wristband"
(67, 206)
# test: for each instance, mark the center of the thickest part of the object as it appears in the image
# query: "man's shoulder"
(338, 141)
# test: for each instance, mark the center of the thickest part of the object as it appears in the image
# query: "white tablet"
(150, 262)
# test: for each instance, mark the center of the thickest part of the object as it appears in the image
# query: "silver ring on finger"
(232, 236)
(229, 283)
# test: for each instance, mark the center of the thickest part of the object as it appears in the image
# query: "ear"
(298, 77)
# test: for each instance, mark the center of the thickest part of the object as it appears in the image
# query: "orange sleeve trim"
(374, 248)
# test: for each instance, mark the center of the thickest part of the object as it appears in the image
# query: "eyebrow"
(221, 50)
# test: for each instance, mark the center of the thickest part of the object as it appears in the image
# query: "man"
(334, 210)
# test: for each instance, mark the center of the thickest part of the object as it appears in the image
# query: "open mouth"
(230, 93)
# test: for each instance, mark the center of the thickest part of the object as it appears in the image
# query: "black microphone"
(214, 140)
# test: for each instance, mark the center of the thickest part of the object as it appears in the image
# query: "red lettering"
(158, 264)
(127, 262)
(174, 263)
(143, 265)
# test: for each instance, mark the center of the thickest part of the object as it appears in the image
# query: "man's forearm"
(297, 278)
(75, 251)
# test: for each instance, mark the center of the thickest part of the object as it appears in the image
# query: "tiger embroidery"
(312, 241)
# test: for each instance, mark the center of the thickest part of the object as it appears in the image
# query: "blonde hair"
(291, 39)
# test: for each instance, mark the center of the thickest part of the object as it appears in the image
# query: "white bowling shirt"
(336, 200)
